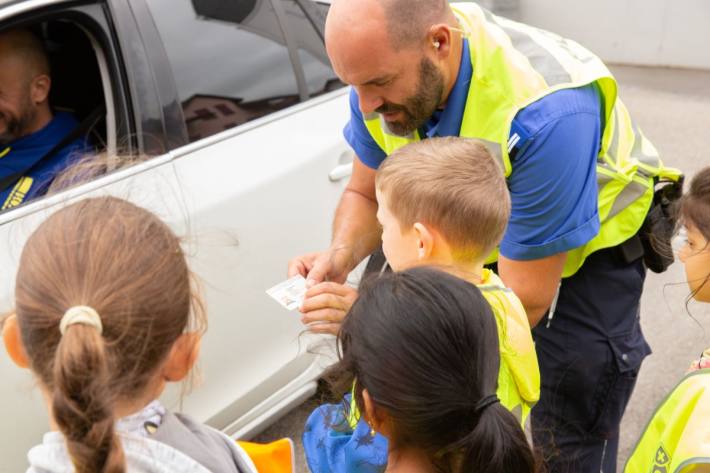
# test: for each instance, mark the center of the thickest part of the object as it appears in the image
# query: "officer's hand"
(331, 265)
(325, 306)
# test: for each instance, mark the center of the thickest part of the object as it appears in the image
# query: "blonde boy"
(444, 202)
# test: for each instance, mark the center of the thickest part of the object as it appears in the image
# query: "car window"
(73, 116)
(304, 28)
(229, 60)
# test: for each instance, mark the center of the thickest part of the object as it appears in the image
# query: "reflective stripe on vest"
(519, 374)
(677, 438)
(515, 65)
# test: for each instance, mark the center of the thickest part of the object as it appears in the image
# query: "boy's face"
(400, 245)
(695, 255)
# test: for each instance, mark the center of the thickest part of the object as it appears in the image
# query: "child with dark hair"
(105, 317)
(422, 348)
(677, 438)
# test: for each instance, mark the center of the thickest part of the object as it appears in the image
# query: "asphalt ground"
(672, 107)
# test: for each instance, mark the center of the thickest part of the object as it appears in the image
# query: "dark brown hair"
(695, 204)
(695, 211)
(425, 346)
(126, 264)
(453, 184)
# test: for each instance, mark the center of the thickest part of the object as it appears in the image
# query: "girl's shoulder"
(211, 448)
(142, 454)
(178, 445)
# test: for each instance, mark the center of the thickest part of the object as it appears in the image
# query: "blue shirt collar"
(447, 122)
(22, 154)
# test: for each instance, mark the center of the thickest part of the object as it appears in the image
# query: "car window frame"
(159, 125)
(296, 64)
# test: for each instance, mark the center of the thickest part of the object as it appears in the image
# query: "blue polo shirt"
(25, 155)
(553, 184)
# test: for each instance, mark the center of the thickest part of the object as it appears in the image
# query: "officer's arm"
(535, 282)
(355, 226)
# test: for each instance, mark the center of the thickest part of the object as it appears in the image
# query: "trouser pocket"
(617, 385)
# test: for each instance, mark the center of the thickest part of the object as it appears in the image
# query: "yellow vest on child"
(677, 438)
(519, 375)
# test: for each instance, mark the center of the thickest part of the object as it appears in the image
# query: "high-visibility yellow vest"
(519, 374)
(677, 438)
(515, 65)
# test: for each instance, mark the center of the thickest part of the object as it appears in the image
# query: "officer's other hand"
(331, 265)
(325, 306)
(302, 264)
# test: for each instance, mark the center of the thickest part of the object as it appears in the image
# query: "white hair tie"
(81, 314)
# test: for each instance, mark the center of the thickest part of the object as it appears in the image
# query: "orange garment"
(274, 457)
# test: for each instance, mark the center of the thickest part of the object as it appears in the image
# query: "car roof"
(11, 2)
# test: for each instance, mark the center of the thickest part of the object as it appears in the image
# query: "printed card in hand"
(289, 293)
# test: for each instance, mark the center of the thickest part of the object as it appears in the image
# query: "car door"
(260, 181)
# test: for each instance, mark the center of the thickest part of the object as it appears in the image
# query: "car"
(237, 115)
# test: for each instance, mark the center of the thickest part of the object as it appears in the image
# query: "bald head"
(409, 20)
(400, 56)
(25, 50)
(404, 22)
(24, 85)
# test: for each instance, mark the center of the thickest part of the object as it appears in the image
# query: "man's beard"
(418, 108)
(16, 125)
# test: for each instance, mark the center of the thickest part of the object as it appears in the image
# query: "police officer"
(29, 130)
(580, 173)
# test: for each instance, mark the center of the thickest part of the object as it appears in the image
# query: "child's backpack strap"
(209, 447)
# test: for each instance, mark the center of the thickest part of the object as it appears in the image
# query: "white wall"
(646, 32)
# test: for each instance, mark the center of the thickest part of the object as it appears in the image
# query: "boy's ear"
(425, 241)
(13, 342)
(182, 357)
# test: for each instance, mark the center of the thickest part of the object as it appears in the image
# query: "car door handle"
(340, 172)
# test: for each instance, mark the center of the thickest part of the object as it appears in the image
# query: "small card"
(289, 293)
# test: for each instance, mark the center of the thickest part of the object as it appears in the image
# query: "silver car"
(236, 107)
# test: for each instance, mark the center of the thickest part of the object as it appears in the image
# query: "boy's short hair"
(453, 184)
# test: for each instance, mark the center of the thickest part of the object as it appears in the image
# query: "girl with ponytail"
(421, 347)
(105, 316)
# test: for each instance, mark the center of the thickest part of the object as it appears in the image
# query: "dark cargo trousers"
(590, 353)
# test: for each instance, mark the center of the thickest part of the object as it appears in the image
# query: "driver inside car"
(35, 143)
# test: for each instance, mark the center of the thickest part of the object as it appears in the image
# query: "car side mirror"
(231, 11)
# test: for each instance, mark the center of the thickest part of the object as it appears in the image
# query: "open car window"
(81, 116)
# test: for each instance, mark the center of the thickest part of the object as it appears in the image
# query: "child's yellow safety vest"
(677, 438)
(519, 374)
